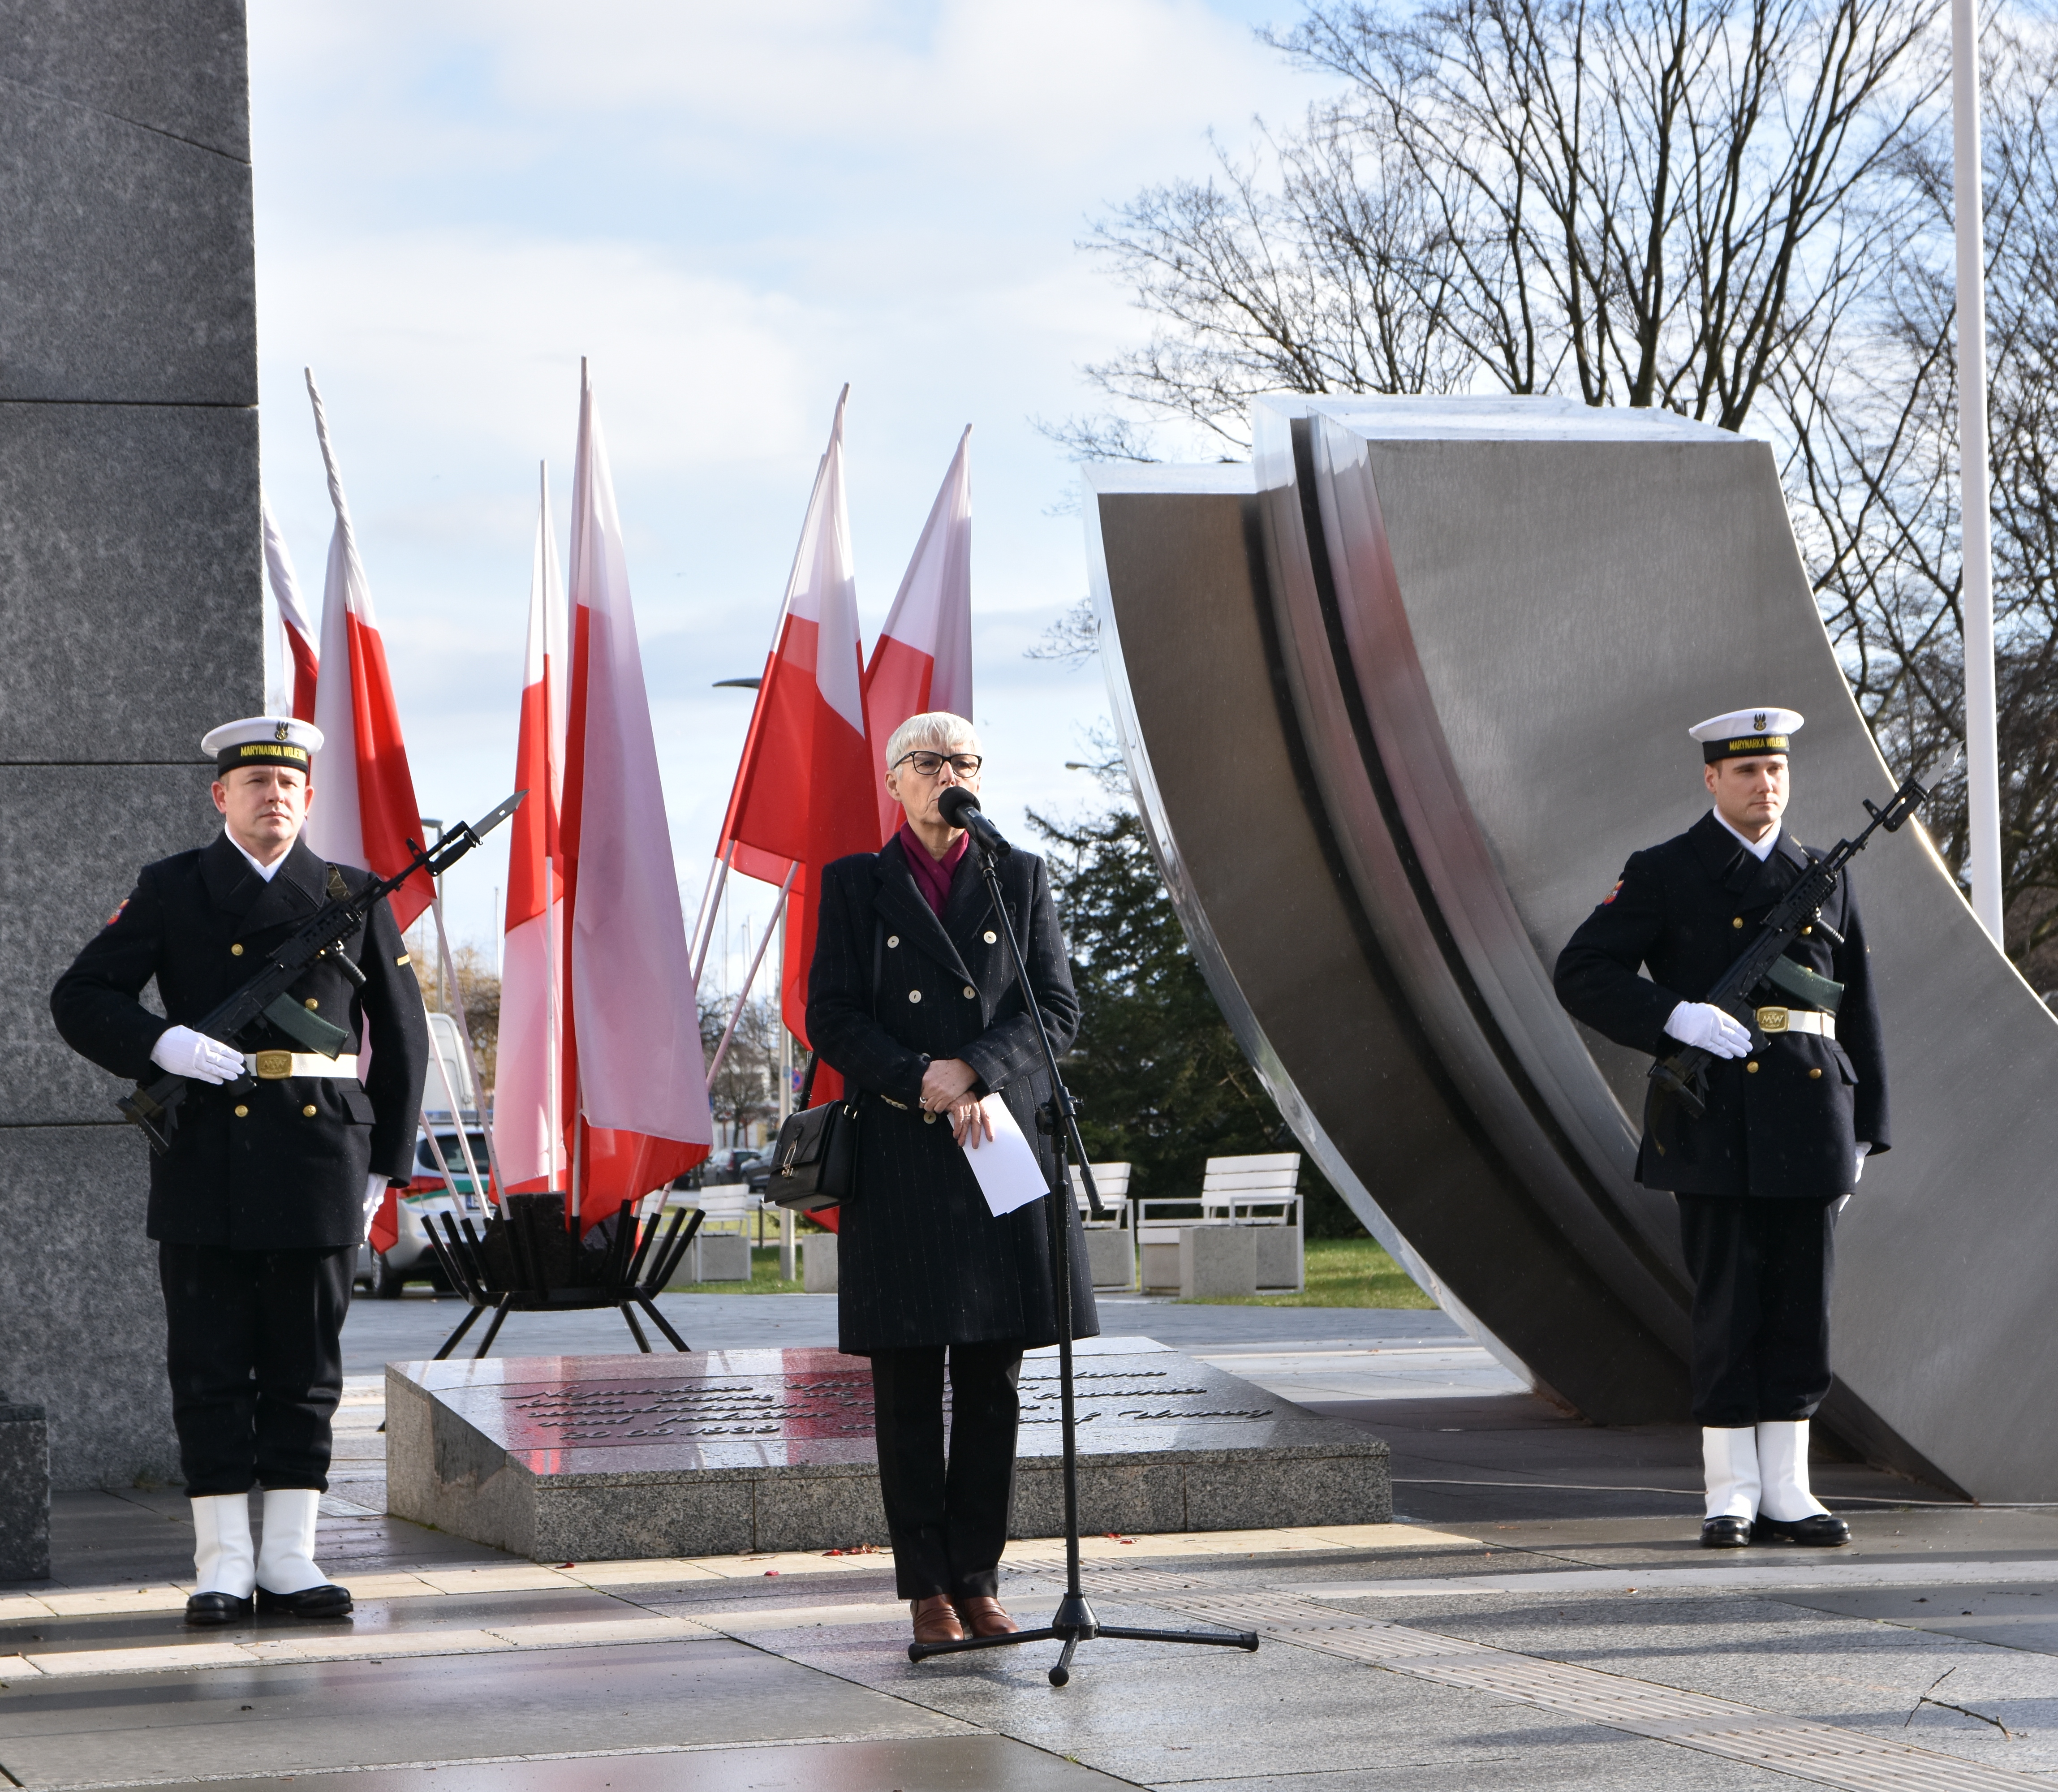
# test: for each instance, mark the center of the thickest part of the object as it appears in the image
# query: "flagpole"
(750, 977)
(710, 906)
(1976, 596)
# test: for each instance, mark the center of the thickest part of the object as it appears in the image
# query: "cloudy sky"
(731, 210)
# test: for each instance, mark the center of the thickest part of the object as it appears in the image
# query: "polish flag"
(528, 1108)
(635, 1078)
(297, 625)
(922, 660)
(803, 794)
(364, 811)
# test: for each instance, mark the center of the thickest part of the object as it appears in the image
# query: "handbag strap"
(878, 967)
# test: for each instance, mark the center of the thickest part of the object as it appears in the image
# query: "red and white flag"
(295, 623)
(803, 793)
(636, 1077)
(528, 1107)
(364, 812)
(922, 660)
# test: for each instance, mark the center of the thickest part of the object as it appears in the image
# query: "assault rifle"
(154, 1106)
(1683, 1076)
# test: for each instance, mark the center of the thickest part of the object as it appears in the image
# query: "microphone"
(961, 808)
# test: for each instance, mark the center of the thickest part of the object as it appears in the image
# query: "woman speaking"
(913, 998)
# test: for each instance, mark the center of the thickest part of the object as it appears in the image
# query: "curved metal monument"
(1398, 700)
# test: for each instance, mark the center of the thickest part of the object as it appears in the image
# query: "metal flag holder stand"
(1073, 1623)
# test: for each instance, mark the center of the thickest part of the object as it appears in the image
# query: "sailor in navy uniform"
(1760, 1177)
(259, 1207)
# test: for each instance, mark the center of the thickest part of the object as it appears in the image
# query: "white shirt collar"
(1759, 849)
(267, 873)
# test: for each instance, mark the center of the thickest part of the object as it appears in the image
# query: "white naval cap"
(1747, 733)
(262, 740)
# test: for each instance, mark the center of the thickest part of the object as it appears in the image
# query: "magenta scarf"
(932, 876)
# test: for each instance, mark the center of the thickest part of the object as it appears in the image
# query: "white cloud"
(732, 211)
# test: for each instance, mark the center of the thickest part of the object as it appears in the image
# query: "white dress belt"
(1797, 1020)
(274, 1067)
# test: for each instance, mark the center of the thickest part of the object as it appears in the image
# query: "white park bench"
(1260, 1191)
(1111, 1242)
(720, 1249)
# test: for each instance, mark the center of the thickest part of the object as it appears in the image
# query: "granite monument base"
(24, 1492)
(607, 1458)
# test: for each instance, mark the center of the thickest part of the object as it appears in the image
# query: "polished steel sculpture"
(1398, 699)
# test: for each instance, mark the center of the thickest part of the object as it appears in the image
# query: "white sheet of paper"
(1009, 1175)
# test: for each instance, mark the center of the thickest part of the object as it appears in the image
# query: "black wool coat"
(254, 1170)
(1784, 1122)
(921, 1259)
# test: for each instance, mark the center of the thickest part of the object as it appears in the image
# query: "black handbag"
(814, 1162)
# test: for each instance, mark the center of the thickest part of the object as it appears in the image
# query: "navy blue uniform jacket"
(276, 1176)
(1785, 1121)
(921, 1259)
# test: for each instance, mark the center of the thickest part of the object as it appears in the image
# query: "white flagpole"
(750, 977)
(1982, 723)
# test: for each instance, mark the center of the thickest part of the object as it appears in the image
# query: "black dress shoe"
(216, 1608)
(1725, 1533)
(325, 1601)
(1821, 1531)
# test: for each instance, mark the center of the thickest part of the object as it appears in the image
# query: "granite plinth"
(24, 1493)
(603, 1458)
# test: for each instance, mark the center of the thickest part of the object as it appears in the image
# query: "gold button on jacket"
(235, 951)
(242, 1113)
(308, 1110)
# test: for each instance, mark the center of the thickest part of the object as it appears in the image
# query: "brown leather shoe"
(935, 1621)
(982, 1616)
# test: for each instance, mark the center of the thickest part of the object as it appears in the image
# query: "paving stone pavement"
(1546, 1620)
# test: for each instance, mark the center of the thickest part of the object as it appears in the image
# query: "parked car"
(412, 1258)
(758, 1177)
(719, 1168)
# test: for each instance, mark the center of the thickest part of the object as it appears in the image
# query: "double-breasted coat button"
(312, 1003)
(235, 951)
(1737, 922)
(972, 995)
(914, 996)
(1752, 1067)
(928, 1119)
(308, 1110)
(1815, 1074)
(893, 940)
(992, 937)
(242, 1113)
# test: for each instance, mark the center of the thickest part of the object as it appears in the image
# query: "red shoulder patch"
(1612, 894)
(116, 915)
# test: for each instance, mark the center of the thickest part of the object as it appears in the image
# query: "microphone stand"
(1073, 1623)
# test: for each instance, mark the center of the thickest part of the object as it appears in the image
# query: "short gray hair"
(937, 729)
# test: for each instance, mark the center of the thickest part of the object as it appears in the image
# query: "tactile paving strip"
(1823, 1752)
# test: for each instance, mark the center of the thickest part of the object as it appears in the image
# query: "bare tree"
(746, 1088)
(1643, 202)
(1873, 473)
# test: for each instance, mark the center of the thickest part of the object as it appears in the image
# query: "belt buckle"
(274, 1066)
(1774, 1020)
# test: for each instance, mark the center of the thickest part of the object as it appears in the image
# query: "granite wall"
(129, 601)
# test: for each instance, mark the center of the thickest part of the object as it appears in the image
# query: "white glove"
(1857, 1171)
(1703, 1024)
(375, 1192)
(184, 1052)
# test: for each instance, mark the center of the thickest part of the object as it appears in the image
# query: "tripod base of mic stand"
(1074, 1623)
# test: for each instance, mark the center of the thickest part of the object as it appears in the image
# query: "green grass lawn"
(1342, 1273)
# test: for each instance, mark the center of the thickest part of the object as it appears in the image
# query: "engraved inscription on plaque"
(606, 1414)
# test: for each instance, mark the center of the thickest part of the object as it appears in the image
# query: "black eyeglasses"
(928, 764)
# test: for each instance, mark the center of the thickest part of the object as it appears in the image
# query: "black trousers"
(1762, 1270)
(254, 1344)
(948, 1524)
